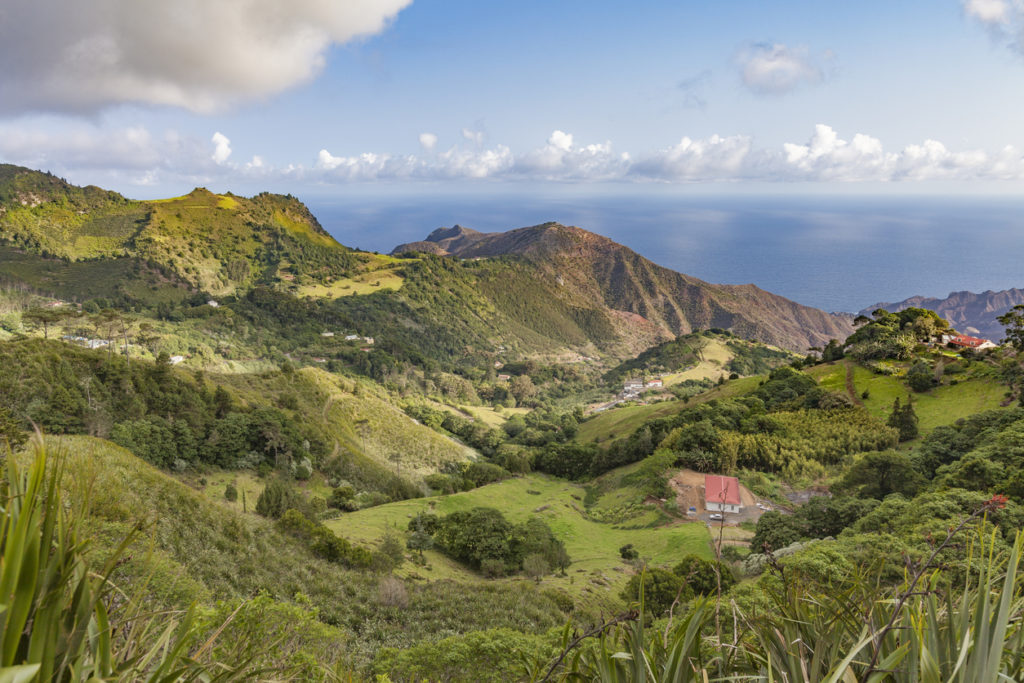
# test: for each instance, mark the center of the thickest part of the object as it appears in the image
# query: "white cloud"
(715, 158)
(200, 55)
(474, 136)
(827, 157)
(428, 141)
(988, 11)
(775, 69)
(89, 153)
(1004, 20)
(560, 158)
(221, 148)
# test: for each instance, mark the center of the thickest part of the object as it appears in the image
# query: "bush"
(391, 592)
(276, 498)
(535, 566)
(230, 493)
(628, 552)
(492, 568)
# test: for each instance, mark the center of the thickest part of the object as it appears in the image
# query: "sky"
(328, 97)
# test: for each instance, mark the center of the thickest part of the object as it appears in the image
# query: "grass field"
(622, 421)
(593, 547)
(942, 405)
(716, 354)
(381, 272)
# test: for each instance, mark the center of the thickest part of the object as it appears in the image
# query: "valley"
(438, 464)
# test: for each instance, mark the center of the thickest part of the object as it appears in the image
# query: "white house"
(722, 494)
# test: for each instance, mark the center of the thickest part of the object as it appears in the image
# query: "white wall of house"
(722, 507)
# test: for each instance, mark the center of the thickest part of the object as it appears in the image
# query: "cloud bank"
(84, 55)
(825, 157)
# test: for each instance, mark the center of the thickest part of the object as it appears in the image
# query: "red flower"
(997, 501)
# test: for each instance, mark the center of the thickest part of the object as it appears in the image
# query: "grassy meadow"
(974, 392)
(594, 547)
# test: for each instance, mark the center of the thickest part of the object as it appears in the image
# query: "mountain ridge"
(969, 312)
(638, 291)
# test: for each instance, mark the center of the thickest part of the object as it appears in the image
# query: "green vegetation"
(315, 463)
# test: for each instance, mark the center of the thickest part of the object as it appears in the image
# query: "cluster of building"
(633, 387)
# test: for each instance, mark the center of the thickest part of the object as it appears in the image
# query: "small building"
(368, 340)
(964, 341)
(212, 304)
(722, 494)
(351, 337)
(632, 386)
(326, 334)
(504, 378)
(654, 383)
(176, 359)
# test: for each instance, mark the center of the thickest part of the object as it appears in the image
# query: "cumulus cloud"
(715, 158)
(561, 158)
(474, 136)
(428, 141)
(827, 157)
(89, 153)
(88, 54)
(776, 69)
(221, 148)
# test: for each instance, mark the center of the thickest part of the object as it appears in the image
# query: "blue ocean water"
(836, 253)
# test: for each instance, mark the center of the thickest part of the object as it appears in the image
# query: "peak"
(448, 233)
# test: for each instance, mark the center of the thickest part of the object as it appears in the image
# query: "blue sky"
(330, 96)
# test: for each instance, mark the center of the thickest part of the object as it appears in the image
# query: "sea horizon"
(837, 253)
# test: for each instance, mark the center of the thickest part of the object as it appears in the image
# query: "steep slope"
(215, 243)
(637, 294)
(968, 312)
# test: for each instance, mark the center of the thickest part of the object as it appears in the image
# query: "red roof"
(964, 340)
(718, 489)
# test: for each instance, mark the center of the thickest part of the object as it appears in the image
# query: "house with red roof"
(964, 341)
(722, 494)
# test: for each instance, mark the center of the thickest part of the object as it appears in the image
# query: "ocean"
(835, 253)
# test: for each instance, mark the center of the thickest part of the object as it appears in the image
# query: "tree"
(535, 566)
(523, 388)
(11, 432)
(277, 498)
(699, 575)
(920, 377)
(904, 420)
(1013, 321)
(661, 588)
(876, 475)
(43, 317)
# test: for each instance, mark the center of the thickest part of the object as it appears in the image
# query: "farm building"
(964, 341)
(721, 494)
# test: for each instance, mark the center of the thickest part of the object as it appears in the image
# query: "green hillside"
(308, 614)
(596, 566)
(976, 390)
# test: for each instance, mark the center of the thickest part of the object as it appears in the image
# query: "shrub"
(535, 566)
(492, 568)
(391, 592)
(230, 493)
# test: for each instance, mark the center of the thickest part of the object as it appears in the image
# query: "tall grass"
(931, 629)
(62, 619)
